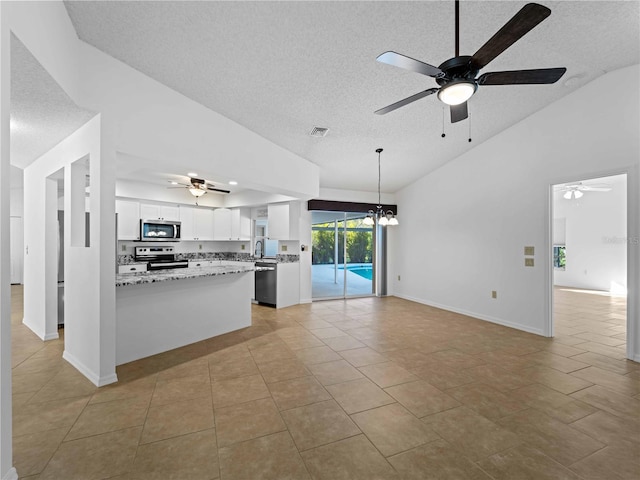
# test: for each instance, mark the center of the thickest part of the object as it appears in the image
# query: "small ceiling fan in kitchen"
(457, 76)
(198, 187)
(576, 190)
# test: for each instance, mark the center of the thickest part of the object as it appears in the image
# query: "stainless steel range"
(159, 258)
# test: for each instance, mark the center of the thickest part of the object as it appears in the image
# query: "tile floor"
(360, 389)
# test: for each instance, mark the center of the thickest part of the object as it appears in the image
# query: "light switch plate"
(242, 247)
(529, 251)
(494, 294)
(528, 262)
(284, 248)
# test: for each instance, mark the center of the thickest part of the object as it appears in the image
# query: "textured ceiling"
(42, 114)
(281, 68)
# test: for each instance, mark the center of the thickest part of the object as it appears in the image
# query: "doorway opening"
(342, 255)
(589, 255)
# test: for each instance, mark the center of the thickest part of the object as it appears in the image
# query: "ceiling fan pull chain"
(469, 129)
(443, 134)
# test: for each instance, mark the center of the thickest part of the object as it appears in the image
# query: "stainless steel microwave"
(159, 231)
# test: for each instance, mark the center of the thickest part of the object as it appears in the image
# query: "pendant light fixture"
(383, 218)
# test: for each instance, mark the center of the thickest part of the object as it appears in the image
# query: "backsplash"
(228, 256)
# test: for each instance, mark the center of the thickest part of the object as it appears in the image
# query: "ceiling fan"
(575, 190)
(198, 187)
(457, 76)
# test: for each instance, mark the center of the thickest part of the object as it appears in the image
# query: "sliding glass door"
(342, 255)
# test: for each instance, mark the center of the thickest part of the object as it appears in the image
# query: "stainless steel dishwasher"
(266, 283)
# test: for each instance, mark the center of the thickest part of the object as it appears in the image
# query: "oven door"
(159, 231)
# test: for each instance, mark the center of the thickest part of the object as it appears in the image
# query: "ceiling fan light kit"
(457, 92)
(196, 191)
(457, 76)
(573, 194)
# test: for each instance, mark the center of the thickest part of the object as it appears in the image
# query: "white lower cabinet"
(288, 285)
(132, 268)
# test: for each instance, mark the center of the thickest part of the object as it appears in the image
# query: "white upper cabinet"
(222, 224)
(196, 223)
(284, 219)
(128, 219)
(232, 224)
(240, 224)
(204, 224)
(150, 211)
(187, 231)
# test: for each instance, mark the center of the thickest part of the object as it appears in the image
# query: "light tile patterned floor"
(359, 389)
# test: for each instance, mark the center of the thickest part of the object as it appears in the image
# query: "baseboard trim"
(636, 358)
(479, 316)
(12, 474)
(27, 324)
(41, 335)
(306, 300)
(87, 372)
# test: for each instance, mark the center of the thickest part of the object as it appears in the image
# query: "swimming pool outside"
(365, 270)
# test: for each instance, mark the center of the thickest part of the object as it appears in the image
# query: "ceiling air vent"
(319, 132)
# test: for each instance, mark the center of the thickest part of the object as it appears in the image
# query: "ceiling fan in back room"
(457, 76)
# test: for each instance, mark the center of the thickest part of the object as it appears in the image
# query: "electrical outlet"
(529, 251)
(124, 248)
(528, 262)
(398, 277)
(242, 246)
(284, 248)
(494, 294)
(199, 246)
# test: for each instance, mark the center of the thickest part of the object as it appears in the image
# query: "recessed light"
(191, 174)
(232, 182)
(174, 183)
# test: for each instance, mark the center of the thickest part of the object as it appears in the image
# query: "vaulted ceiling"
(281, 68)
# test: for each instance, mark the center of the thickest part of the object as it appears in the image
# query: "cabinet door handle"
(132, 269)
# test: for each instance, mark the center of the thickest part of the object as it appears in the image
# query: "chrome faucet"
(260, 250)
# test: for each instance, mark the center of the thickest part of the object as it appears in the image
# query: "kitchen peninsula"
(161, 310)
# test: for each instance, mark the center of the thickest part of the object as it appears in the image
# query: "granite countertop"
(179, 274)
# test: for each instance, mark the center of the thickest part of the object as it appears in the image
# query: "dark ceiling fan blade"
(213, 189)
(520, 24)
(459, 112)
(406, 101)
(522, 77)
(408, 63)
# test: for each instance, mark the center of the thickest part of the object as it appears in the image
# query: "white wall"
(463, 227)
(44, 28)
(596, 234)
(88, 271)
(6, 466)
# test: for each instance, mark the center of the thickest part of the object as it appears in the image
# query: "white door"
(16, 247)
